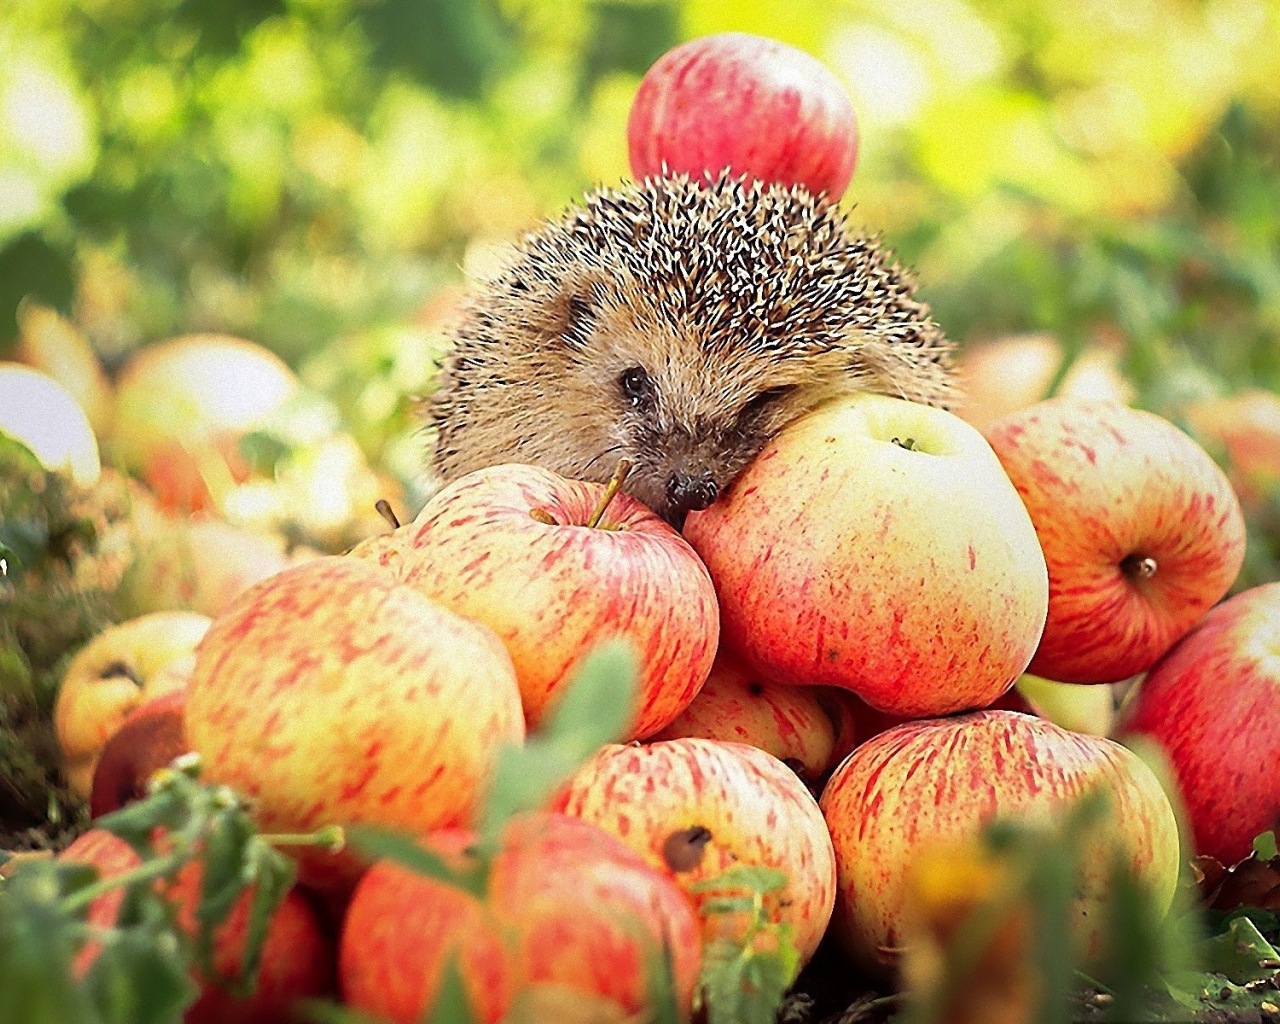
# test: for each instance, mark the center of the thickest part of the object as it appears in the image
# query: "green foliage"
(142, 972)
(744, 979)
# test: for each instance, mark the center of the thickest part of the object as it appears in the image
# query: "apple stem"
(611, 489)
(1141, 567)
(387, 512)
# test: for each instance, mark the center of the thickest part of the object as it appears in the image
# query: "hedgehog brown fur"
(680, 324)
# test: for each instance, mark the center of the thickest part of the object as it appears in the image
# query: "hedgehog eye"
(765, 399)
(635, 384)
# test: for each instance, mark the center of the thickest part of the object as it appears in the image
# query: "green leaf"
(223, 879)
(140, 977)
(660, 983)
(273, 874)
(1265, 846)
(452, 1005)
(523, 779)
(599, 705)
(1237, 953)
(37, 942)
(380, 843)
(754, 878)
(135, 823)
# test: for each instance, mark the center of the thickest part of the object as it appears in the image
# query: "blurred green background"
(317, 174)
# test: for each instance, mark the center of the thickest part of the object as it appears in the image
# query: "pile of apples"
(836, 622)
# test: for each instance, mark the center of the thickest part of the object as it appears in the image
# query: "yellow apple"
(121, 668)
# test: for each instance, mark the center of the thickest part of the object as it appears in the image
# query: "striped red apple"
(696, 808)
(567, 907)
(1141, 532)
(1211, 704)
(937, 783)
(331, 694)
(510, 547)
(877, 545)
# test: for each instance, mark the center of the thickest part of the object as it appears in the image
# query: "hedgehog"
(680, 324)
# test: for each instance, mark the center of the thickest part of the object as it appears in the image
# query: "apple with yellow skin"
(199, 564)
(998, 377)
(41, 414)
(509, 546)
(331, 694)
(297, 958)
(1246, 428)
(1210, 703)
(786, 721)
(938, 782)
(876, 544)
(123, 667)
(1140, 529)
(182, 407)
(695, 808)
(567, 906)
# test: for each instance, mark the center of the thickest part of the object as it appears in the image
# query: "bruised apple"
(120, 669)
(696, 808)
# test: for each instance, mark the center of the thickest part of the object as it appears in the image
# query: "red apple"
(567, 905)
(1210, 702)
(1140, 530)
(297, 960)
(552, 591)
(936, 783)
(330, 694)
(755, 106)
(150, 738)
(183, 406)
(695, 808)
(788, 722)
(877, 545)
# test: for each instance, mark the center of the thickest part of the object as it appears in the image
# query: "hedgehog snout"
(688, 492)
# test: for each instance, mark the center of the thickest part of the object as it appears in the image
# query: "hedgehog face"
(659, 391)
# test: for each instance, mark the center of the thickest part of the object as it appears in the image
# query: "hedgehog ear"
(572, 311)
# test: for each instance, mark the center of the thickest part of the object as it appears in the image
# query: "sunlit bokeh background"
(321, 175)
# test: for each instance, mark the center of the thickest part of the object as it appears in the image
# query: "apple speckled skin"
(331, 694)
(1210, 703)
(911, 577)
(1107, 486)
(938, 782)
(786, 721)
(298, 958)
(552, 592)
(756, 810)
(576, 908)
(753, 105)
